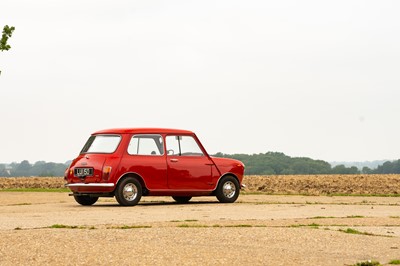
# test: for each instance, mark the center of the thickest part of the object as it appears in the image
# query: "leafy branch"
(7, 33)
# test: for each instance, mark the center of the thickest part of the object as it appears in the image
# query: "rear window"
(101, 144)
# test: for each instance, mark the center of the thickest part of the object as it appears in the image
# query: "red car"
(134, 162)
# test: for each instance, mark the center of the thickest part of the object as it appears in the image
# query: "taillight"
(106, 172)
(66, 174)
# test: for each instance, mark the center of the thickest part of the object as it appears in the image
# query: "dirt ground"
(283, 184)
(39, 228)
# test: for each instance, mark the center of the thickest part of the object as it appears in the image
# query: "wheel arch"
(224, 175)
(134, 175)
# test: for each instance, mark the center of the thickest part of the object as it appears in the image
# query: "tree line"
(40, 168)
(270, 163)
(276, 163)
(386, 168)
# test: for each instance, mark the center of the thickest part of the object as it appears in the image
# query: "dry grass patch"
(324, 184)
(361, 185)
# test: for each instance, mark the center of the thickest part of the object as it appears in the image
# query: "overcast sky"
(317, 79)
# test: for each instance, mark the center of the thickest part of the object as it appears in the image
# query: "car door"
(145, 157)
(188, 167)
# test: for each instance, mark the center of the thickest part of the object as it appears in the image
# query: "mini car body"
(129, 163)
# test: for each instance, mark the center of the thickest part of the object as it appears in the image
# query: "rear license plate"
(83, 172)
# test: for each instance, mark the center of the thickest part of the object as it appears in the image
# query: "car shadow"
(145, 204)
(176, 203)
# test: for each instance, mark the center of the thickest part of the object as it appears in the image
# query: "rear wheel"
(180, 199)
(129, 192)
(228, 189)
(85, 200)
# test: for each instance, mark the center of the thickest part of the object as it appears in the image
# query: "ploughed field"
(284, 184)
(43, 228)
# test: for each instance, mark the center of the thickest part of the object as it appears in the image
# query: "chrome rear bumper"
(90, 185)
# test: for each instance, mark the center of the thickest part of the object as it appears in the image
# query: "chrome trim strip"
(243, 186)
(90, 185)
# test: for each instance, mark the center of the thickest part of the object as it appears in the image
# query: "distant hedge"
(277, 163)
(39, 168)
(270, 163)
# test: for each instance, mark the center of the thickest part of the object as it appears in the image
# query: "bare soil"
(283, 184)
(31, 182)
(39, 228)
(325, 184)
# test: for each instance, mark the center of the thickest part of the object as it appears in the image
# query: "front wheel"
(180, 199)
(228, 189)
(129, 192)
(85, 200)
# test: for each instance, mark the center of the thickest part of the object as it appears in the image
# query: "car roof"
(142, 131)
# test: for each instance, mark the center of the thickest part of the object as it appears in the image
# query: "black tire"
(227, 190)
(85, 200)
(129, 192)
(181, 199)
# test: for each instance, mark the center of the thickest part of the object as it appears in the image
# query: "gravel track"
(258, 230)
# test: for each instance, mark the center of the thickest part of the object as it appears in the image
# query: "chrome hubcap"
(229, 189)
(130, 192)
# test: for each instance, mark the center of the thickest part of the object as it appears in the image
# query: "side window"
(173, 145)
(189, 147)
(146, 144)
(183, 146)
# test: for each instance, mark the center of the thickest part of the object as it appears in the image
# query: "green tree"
(277, 163)
(343, 170)
(388, 168)
(7, 33)
(23, 169)
(3, 170)
(366, 170)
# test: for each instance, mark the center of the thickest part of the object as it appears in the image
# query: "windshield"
(101, 144)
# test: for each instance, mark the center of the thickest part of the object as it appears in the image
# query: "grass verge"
(313, 225)
(368, 263)
(188, 220)
(129, 227)
(34, 190)
(218, 226)
(356, 232)
(312, 195)
(63, 226)
(192, 226)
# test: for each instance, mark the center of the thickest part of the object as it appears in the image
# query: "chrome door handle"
(174, 160)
